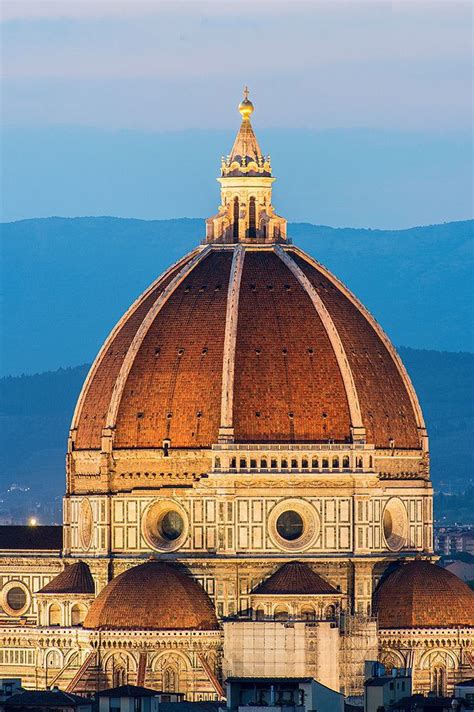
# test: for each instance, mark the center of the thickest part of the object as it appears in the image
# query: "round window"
(395, 524)
(171, 525)
(290, 525)
(165, 525)
(293, 525)
(16, 598)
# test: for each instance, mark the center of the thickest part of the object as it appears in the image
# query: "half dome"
(152, 596)
(422, 595)
(294, 578)
(309, 364)
(75, 578)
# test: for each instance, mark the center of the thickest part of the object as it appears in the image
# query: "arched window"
(78, 613)
(315, 463)
(263, 464)
(345, 462)
(335, 462)
(260, 614)
(54, 614)
(330, 613)
(304, 463)
(119, 676)
(252, 218)
(236, 218)
(325, 463)
(308, 613)
(439, 681)
(53, 659)
(170, 682)
(280, 613)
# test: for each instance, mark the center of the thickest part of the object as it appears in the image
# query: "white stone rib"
(226, 430)
(383, 336)
(116, 329)
(142, 331)
(336, 343)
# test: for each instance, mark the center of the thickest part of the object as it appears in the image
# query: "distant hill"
(66, 281)
(35, 413)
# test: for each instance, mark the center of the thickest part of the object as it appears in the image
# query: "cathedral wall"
(439, 657)
(238, 522)
(20, 578)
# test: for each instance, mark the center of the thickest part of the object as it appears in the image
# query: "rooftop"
(27, 537)
(49, 699)
(76, 578)
(295, 578)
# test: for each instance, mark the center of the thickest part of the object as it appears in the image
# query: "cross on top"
(246, 92)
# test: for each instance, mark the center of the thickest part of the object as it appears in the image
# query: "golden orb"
(246, 106)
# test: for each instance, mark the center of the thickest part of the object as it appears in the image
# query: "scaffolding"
(358, 644)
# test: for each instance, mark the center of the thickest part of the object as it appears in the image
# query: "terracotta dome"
(422, 595)
(75, 578)
(307, 362)
(294, 578)
(152, 596)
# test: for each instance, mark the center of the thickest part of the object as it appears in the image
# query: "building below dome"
(250, 425)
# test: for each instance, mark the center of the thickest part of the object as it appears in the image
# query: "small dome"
(295, 578)
(422, 595)
(152, 596)
(75, 578)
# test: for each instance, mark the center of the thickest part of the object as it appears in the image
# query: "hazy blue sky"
(121, 73)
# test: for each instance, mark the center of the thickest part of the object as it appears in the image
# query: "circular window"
(15, 598)
(293, 525)
(165, 525)
(395, 524)
(171, 525)
(290, 525)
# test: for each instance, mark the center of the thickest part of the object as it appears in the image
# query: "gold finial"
(246, 106)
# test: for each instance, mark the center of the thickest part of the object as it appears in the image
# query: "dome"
(75, 578)
(259, 341)
(422, 595)
(152, 596)
(295, 578)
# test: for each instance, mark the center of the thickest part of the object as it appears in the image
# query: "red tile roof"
(288, 384)
(295, 578)
(152, 596)
(422, 595)
(76, 578)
